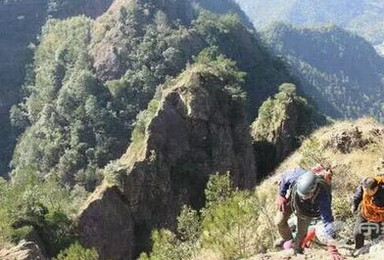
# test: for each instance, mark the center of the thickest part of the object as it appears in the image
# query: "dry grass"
(96, 195)
(136, 152)
(208, 254)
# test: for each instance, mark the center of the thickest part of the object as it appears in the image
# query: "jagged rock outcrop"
(282, 120)
(198, 129)
(106, 224)
(25, 250)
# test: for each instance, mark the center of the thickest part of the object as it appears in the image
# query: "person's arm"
(288, 179)
(324, 202)
(357, 198)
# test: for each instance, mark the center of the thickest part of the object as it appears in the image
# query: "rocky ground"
(369, 252)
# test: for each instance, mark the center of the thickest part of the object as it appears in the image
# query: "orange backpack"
(369, 210)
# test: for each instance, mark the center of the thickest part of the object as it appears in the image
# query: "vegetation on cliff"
(283, 122)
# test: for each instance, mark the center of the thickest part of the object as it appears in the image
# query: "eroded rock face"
(275, 136)
(286, 134)
(198, 130)
(106, 224)
(25, 250)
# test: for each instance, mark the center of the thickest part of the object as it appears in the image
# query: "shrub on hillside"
(225, 228)
(31, 204)
(77, 252)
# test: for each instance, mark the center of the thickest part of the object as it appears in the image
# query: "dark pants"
(364, 228)
(284, 230)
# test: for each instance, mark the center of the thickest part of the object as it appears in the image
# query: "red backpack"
(320, 170)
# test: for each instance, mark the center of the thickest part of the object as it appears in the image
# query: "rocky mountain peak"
(195, 129)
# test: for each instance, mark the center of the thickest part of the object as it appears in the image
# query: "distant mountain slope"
(20, 24)
(224, 7)
(365, 17)
(340, 70)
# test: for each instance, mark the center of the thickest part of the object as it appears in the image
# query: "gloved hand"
(288, 244)
(281, 201)
(311, 235)
(334, 253)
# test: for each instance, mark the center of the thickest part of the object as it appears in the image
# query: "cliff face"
(198, 129)
(195, 133)
(106, 223)
(282, 121)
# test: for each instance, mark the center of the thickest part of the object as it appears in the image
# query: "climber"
(370, 215)
(309, 197)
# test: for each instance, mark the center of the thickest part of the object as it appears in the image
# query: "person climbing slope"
(308, 196)
(368, 205)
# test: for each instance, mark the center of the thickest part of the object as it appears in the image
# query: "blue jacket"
(323, 201)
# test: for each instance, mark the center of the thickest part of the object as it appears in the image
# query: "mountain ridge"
(340, 70)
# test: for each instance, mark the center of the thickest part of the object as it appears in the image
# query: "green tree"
(77, 252)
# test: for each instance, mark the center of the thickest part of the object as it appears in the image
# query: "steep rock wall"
(198, 129)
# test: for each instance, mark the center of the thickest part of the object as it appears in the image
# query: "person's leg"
(302, 229)
(281, 222)
(358, 231)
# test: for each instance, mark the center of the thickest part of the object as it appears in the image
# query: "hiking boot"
(360, 251)
(298, 251)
